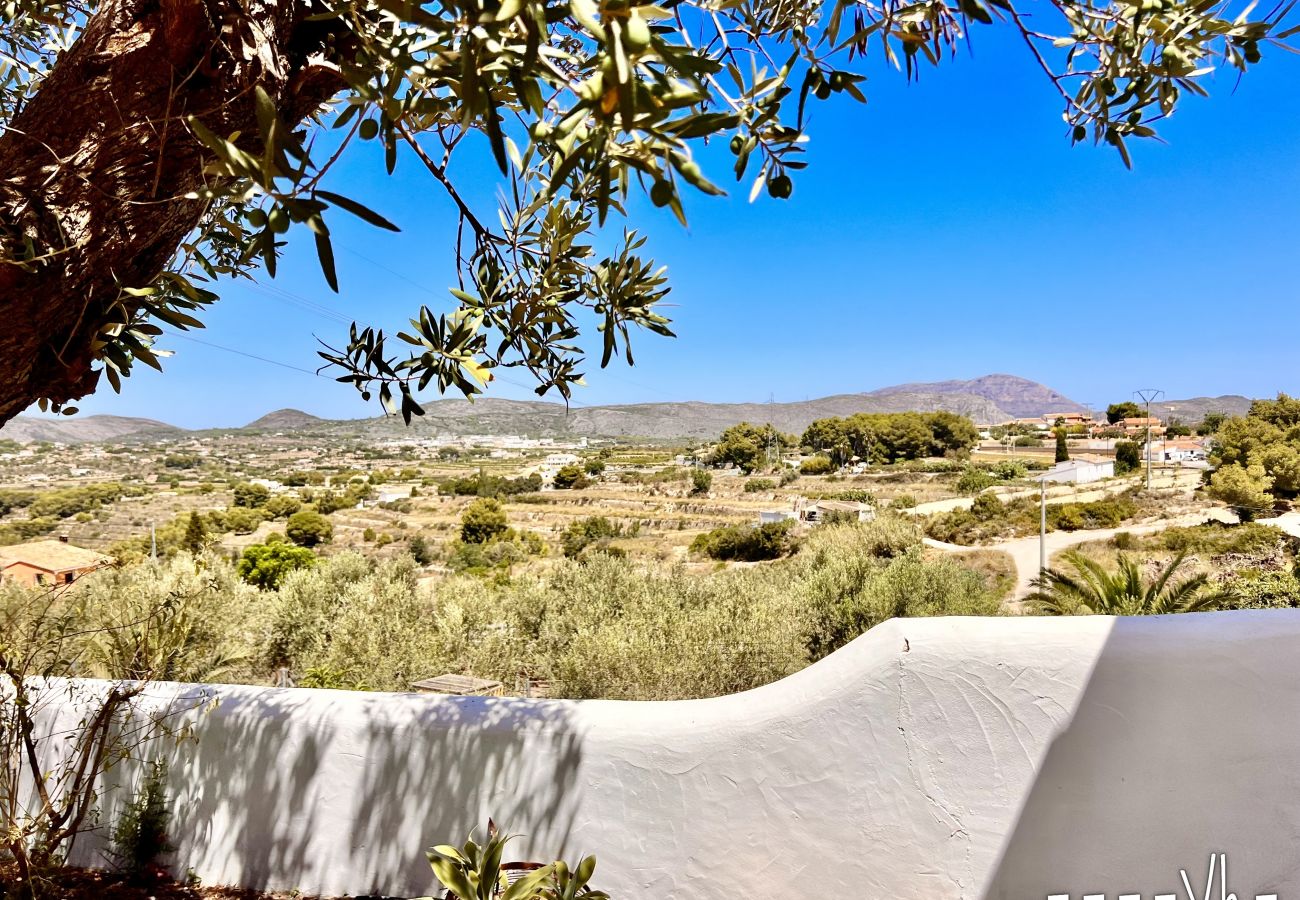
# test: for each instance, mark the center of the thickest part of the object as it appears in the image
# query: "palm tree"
(1095, 590)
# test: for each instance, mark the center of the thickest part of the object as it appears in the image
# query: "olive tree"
(152, 150)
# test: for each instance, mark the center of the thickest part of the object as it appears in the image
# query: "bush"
(583, 533)
(973, 480)
(1128, 457)
(788, 476)
(309, 528)
(266, 565)
(745, 543)
(282, 506)
(483, 520)
(1247, 539)
(759, 485)
(70, 501)
(571, 478)
(855, 582)
(701, 481)
(1263, 590)
(419, 549)
(241, 520)
(1008, 469)
(1096, 514)
(986, 507)
(816, 465)
(480, 485)
(1244, 488)
(250, 495)
(140, 836)
(1125, 541)
(903, 501)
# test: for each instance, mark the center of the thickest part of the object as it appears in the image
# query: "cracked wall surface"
(930, 758)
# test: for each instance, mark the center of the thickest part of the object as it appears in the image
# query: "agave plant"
(1095, 590)
(475, 872)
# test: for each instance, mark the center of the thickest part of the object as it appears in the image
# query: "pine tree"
(195, 534)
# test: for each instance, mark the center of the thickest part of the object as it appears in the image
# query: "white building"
(1078, 471)
(1177, 451)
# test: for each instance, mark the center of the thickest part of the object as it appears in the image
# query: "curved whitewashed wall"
(931, 758)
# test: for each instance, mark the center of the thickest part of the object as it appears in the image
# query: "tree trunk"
(94, 171)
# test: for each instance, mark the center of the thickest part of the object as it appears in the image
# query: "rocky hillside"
(1194, 409)
(80, 429)
(285, 420)
(1016, 397)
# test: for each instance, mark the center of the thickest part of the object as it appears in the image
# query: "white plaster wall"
(931, 758)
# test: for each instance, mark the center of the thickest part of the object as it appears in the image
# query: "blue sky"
(945, 230)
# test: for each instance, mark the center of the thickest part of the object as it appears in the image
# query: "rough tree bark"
(94, 170)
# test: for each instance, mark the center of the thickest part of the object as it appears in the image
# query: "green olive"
(661, 193)
(636, 34)
(780, 186)
(369, 129)
(278, 219)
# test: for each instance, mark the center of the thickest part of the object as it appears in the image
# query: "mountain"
(1015, 396)
(1194, 410)
(284, 420)
(76, 430)
(986, 400)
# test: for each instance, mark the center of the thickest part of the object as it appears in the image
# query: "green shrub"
(1125, 541)
(281, 506)
(1008, 469)
(140, 835)
(816, 465)
(1128, 457)
(1249, 538)
(266, 565)
(973, 480)
(745, 543)
(1263, 590)
(571, 478)
(70, 501)
(481, 485)
(483, 520)
(309, 528)
(701, 481)
(986, 507)
(419, 549)
(583, 533)
(1096, 514)
(759, 485)
(250, 495)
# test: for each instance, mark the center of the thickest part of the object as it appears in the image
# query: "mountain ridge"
(987, 400)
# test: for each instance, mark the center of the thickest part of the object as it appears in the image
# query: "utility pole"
(153, 541)
(1042, 526)
(1147, 395)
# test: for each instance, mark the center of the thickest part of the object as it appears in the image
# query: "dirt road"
(1024, 552)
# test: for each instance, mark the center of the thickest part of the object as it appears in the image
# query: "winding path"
(1024, 551)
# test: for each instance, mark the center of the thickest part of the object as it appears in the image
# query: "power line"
(273, 362)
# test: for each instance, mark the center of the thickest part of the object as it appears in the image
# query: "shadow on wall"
(1185, 742)
(1004, 759)
(276, 772)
